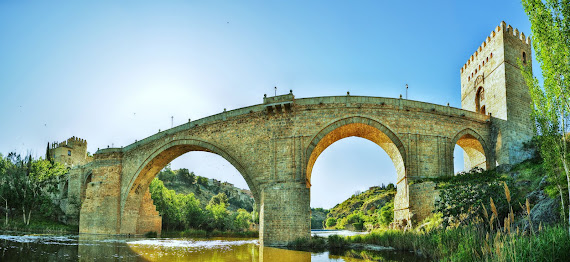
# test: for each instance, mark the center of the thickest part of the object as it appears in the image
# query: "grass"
(468, 243)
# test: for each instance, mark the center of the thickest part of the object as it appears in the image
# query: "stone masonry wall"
(149, 220)
(100, 211)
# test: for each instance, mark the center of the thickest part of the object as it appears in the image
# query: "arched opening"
(376, 133)
(139, 213)
(524, 58)
(362, 177)
(473, 151)
(86, 182)
(480, 100)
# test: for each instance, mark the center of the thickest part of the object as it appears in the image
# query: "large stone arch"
(377, 133)
(133, 196)
(475, 148)
(360, 127)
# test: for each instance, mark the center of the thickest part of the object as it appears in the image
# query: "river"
(44, 247)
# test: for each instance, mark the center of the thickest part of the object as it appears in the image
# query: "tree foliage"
(27, 184)
(550, 27)
(368, 210)
(183, 211)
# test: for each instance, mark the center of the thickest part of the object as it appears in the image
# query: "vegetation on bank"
(186, 213)
(186, 182)
(372, 209)
(550, 25)
(318, 217)
(38, 226)
(482, 216)
(27, 189)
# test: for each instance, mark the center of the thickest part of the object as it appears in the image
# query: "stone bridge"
(274, 146)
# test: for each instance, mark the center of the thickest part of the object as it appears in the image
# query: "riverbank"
(38, 227)
(469, 243)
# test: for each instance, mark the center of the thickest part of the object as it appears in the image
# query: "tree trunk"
(568, 181)
(6, 222)
(562, 203)
(29, 216)
(24, 213)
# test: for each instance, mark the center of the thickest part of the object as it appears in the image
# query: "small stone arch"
(85, 183)
(88, 177)
(475, 148)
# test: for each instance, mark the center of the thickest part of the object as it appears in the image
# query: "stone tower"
(492, 84)
(72, 152)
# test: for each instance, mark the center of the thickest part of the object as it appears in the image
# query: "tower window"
(69, 152)
(524, 58)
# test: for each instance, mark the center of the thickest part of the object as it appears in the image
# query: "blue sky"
(112, 72)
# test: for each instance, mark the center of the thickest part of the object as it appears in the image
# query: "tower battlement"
(71, 142)
(485, 51)
(70, 152)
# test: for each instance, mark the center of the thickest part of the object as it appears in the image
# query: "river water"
(42, 247)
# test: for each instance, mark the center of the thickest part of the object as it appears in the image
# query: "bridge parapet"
(349, 101)
(393, 103)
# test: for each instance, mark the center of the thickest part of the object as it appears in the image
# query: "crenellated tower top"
(70, 152)
(503, 30)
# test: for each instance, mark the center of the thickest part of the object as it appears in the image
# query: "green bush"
(331, 222)
(386, 214)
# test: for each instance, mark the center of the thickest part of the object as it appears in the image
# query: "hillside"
(365, 211)
(185, 182)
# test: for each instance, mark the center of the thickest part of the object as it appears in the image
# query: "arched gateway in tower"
(274, 146)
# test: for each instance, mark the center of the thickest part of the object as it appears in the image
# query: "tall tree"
(48, 156)
(550, 27)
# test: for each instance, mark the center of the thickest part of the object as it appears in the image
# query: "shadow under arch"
(371, 130)
(131, 197)
(476, 152)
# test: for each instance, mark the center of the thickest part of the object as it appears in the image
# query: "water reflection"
(21, 247)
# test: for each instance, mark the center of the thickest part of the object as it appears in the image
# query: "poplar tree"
(550, 27)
